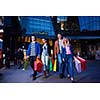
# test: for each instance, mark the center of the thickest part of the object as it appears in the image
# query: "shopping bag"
(53, 61)
(50, 65)
(38, 65)
(83, 63)
(26, 63)
(55, 65)
(77, 65)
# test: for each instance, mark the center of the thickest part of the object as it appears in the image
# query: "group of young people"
(63, 52)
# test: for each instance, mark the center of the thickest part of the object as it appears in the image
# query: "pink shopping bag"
(77, 65)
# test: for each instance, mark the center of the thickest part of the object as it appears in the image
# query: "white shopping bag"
(77, 65)
(81, 58)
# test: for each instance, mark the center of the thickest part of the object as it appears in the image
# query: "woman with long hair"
(67, 56)
(45, 57)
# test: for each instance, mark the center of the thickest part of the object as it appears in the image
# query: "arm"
(28, 50)
(55, 49)
(71, 48)
(38, 50)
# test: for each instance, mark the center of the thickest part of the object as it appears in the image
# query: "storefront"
(1, 50)
(85, 46)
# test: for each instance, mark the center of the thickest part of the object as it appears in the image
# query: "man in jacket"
(20, 57)
(33, 52)
(58, 53)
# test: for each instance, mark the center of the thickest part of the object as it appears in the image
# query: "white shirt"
(45, 49)
(60, 45)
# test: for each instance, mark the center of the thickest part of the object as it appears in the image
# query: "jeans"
(60, 63)
(44, 59)
(32, 59)
(69, 64)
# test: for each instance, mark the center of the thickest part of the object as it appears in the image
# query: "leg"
(70, 61)
(66, 72)
(60, 65)
(44, 62)
(47, 65)
(32, 63)
(35, 72)
(19, 63)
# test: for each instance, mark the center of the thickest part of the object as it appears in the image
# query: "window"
(90, 23)
(37, 24)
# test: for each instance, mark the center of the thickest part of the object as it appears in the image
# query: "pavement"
(15, 75)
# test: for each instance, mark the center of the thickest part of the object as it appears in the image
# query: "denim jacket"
(37, 49)
(64, 51)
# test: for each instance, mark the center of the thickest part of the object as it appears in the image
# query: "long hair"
(65, 41)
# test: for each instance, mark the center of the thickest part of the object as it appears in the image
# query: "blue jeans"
(60, 63)
(45, 59)
(69, 64)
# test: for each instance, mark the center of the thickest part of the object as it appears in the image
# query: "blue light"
(37, 24)
(91, 23)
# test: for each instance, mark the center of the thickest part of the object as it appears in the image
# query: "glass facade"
(62, 20)
(90, 23)
(37, 25)
(68, 24)
(7, 21)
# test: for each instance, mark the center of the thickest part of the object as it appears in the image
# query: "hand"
(49, 57)
(26, 57)
(63, 59)
(55, 57)
(38, 57)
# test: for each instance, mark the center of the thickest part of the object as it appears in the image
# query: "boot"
(44, 74)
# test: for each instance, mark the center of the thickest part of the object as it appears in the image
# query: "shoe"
(68, 76)
(34, 78)
(18, 67)
(45, 76)
(72, 79)
(23, 69)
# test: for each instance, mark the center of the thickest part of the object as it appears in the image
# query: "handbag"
(77, 65)
(83, 63)
(50, 66)
(26, 63)
(55, 65)
(38, 65)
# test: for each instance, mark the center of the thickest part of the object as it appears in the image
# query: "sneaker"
(72, 79)
(23, 69)
(68, 76)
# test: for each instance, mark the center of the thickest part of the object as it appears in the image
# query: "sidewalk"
(15, 75)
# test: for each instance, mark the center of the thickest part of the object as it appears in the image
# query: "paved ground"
(15, 75)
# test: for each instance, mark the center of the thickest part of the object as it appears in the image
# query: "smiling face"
(65, 41)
